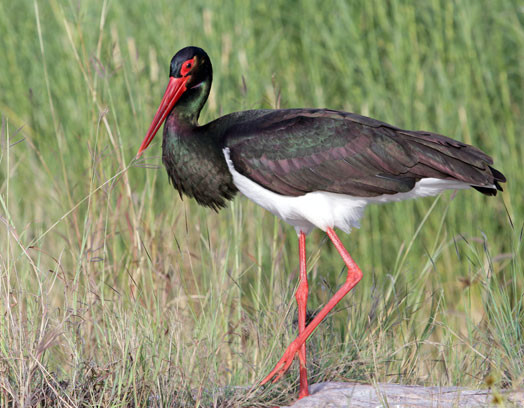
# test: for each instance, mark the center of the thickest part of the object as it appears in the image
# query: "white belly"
(322, 209)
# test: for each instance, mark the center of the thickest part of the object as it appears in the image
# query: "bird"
(312, 168)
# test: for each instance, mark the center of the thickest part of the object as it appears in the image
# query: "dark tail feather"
(454, 160)
(487, 191)
(497, 177)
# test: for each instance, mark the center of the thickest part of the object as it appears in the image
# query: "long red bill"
(175, 88)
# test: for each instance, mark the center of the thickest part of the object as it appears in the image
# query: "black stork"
(310, 167)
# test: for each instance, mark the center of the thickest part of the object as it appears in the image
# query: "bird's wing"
(293, 152)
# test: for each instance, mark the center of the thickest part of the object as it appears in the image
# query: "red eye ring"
(186, 66)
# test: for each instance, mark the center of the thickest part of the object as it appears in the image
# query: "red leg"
(353, 277)
(301, 297)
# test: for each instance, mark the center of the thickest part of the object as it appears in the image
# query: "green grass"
(115, 292)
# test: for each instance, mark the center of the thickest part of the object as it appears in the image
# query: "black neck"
(192, 155)
(187, 110)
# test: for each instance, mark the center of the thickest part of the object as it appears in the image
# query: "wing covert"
(294, 152)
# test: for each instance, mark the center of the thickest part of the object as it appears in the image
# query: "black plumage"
(297, 151)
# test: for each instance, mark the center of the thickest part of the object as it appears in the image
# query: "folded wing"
(297, 151)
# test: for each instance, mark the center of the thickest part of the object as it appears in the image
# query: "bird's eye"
(186, 66)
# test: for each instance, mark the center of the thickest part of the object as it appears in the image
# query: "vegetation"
(115, 292)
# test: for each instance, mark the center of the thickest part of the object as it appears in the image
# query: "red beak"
(175, 88)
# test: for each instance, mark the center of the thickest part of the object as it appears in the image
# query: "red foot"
(284, 363)
(304, 392)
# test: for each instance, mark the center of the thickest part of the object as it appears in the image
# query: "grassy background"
(114, 291)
